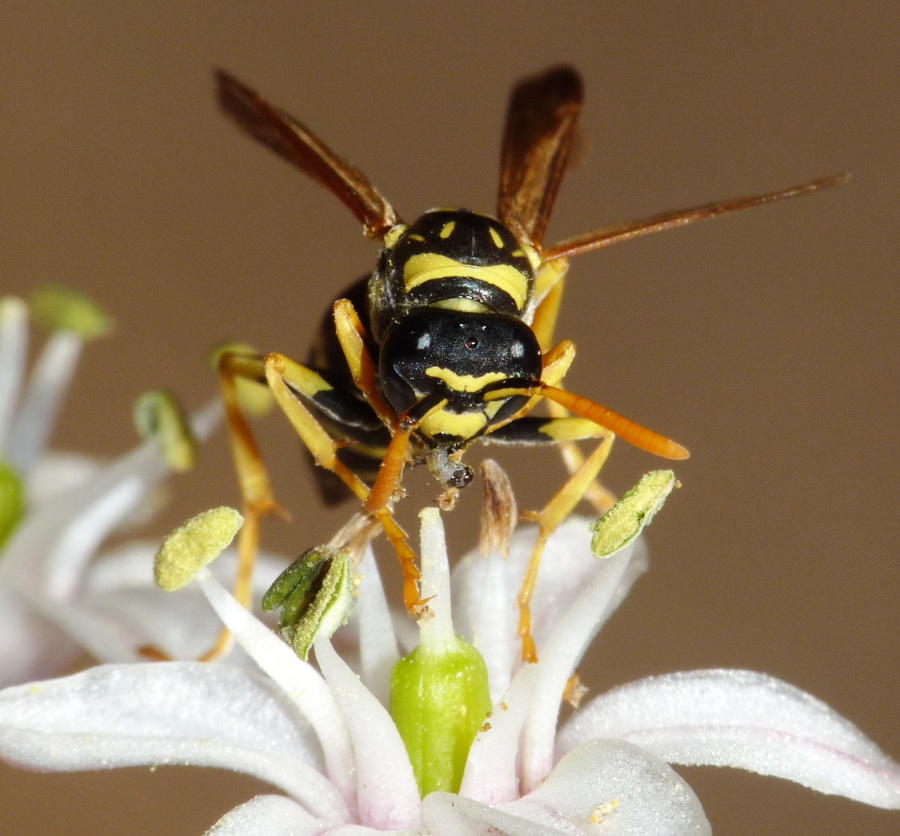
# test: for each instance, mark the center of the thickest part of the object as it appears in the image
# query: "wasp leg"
(550, 283)
(548, 519)
(352, 336)
(288, 380)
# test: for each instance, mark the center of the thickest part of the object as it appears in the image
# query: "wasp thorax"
(456, 259)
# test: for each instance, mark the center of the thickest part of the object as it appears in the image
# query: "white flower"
(325, 739)
(56, 598)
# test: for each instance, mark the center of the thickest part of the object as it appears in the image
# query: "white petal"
(47, 385)
(484, 614)
(742, 719)
(267, 815)
(626, 788)
(13, 350)
(559, 656)
(34, 554)
(491, 776)
(445, 814)
(298, 680)
(57, 473)
(168, 713)
(378, 650)
(387, 792)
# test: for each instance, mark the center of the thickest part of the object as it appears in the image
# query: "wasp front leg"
(289, 381)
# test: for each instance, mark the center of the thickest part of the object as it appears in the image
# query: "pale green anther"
(255, 398)
(158, 415)
(12, 501)
(315, 594)
(193, 545)
(439, 700)
(61, 308)
(627, 518)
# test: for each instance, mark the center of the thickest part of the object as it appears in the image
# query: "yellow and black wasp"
(450, 339)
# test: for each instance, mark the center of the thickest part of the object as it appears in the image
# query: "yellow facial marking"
(447, 230)
(427, 266)
(495, 237)
(448, 423)
(463, 382)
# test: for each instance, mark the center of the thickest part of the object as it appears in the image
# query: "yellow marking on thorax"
(495, 237)
(447, 229)
(427, 267)
(464, 382)
(392, 236)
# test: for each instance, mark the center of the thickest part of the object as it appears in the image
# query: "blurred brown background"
(766, 342)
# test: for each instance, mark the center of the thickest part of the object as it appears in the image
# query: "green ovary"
(439, 700)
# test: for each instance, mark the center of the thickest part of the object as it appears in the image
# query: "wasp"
(449, 340)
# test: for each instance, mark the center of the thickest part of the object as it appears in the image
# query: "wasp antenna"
(623, 427)
(607, 235)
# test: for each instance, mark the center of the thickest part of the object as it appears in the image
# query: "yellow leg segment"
(557, 509)
(281, 373)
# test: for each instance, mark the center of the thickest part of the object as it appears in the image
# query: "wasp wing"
(607, 235)
(290, 139)
(541, 123)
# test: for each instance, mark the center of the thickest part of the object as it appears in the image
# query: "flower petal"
(40, 402)
(560, 655)
(491, 776)
(617, 783)
(378, 651)
(387, 792)
(298, 680)
(267, 815)
(742, 719)
(169, 713)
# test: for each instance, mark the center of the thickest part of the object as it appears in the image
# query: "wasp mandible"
(449, 340)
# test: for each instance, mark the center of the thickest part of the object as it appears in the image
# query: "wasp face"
(438, 354)
(452, 259)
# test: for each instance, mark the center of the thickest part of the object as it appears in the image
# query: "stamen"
(193, 545)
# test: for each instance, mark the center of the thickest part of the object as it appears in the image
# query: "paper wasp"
(450, 339)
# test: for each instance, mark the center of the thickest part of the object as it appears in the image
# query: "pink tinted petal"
(186, 713)
(491, 776)
(742, 719)
(378, 650)
(298, 680)
(559, 656)
(387, 792)
(629, 790)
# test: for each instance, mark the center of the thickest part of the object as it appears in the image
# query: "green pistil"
(439, 692)
(12, 501)
(439, 700)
